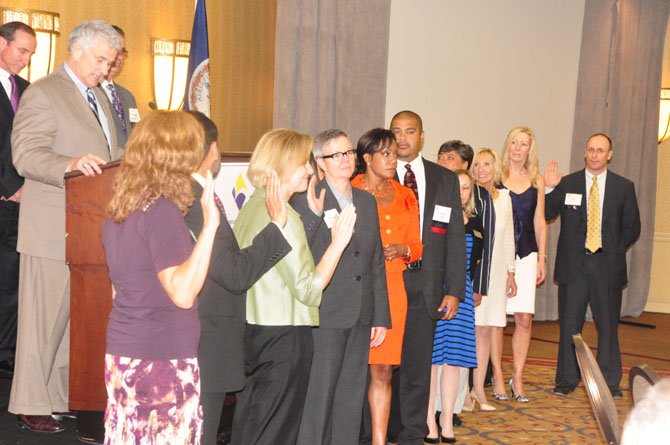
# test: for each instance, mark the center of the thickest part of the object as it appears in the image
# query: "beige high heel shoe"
(482, 406)
(468, 408)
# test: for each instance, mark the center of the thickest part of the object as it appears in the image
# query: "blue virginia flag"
(197, 81)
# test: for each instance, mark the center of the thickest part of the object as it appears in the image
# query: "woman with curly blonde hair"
(151, 367)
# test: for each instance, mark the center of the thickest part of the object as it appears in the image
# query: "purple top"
(144, 322)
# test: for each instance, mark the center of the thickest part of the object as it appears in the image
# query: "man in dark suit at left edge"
(222, 302)
(17, 45)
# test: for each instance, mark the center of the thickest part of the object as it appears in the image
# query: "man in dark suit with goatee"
(600, 219)
(17, 45)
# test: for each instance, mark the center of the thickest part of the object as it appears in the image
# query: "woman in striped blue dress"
(454, 344)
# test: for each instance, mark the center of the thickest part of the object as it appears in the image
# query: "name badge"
(573, 199)
(330, 216)
(477, 234)
(134, 115)
(442, 214)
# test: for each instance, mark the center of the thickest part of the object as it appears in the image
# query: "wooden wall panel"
(241, 39)
(245, 68)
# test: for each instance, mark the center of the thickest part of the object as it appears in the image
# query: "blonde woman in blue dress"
(521, 177)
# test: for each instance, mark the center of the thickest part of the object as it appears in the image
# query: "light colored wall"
(475, 69)
(659, 288)
(242, 85)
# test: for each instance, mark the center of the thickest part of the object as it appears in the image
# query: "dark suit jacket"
(128, 101)
(443, 253)
(10, 181)
(222, 302)
(357, 290)
(620, 225)
(485, 210)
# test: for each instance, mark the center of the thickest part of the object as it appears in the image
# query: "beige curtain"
(617, 93)
(330, 65)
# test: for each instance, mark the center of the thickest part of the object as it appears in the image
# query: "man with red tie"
(435, 284)
(17, 45)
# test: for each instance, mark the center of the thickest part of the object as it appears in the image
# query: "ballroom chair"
(600, 397)
(640, 379)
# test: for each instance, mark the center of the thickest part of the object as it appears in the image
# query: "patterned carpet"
(547, 419)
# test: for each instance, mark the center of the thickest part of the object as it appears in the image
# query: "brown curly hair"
(164, 149)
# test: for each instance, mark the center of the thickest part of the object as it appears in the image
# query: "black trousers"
(591, 287)
(414, 373)
(212, 404)
(277, 365)
(9, 278)
(334, 402)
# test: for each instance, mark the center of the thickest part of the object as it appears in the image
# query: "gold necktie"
(593, 242)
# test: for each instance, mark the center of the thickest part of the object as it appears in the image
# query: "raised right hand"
(274, 201)
(552, 177)
(315, 204)
(211, 214)
(343, 228)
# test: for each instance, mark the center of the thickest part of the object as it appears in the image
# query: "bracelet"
(409, 252)
(542, 254)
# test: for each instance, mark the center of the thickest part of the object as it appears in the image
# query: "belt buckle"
(597, 252)
(416, 265)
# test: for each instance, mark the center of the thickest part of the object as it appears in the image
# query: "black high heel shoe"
(447, 439)
(434, 440)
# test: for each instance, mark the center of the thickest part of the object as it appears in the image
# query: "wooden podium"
(90, 288)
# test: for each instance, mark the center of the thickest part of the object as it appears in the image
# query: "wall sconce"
(664, 116)
(169, 66)
(47, 28)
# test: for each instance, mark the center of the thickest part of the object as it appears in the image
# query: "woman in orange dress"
(399, 223)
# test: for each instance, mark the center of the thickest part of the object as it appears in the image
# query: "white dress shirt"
(4, 80)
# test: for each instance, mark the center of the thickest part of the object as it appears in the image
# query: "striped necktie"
(93, 104)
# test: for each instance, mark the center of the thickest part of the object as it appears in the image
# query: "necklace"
(384, 193)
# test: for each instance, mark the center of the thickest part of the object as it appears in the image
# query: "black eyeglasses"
(338, 155)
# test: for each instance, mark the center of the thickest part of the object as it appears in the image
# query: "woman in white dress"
(521, 177)
(490, 315)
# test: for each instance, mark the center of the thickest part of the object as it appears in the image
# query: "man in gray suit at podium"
(62, 125)
(120, 100)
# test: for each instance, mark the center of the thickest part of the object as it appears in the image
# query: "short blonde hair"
(496, 162)
(470, 206)
(279, 150)
(164, 149)
(531, 164)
